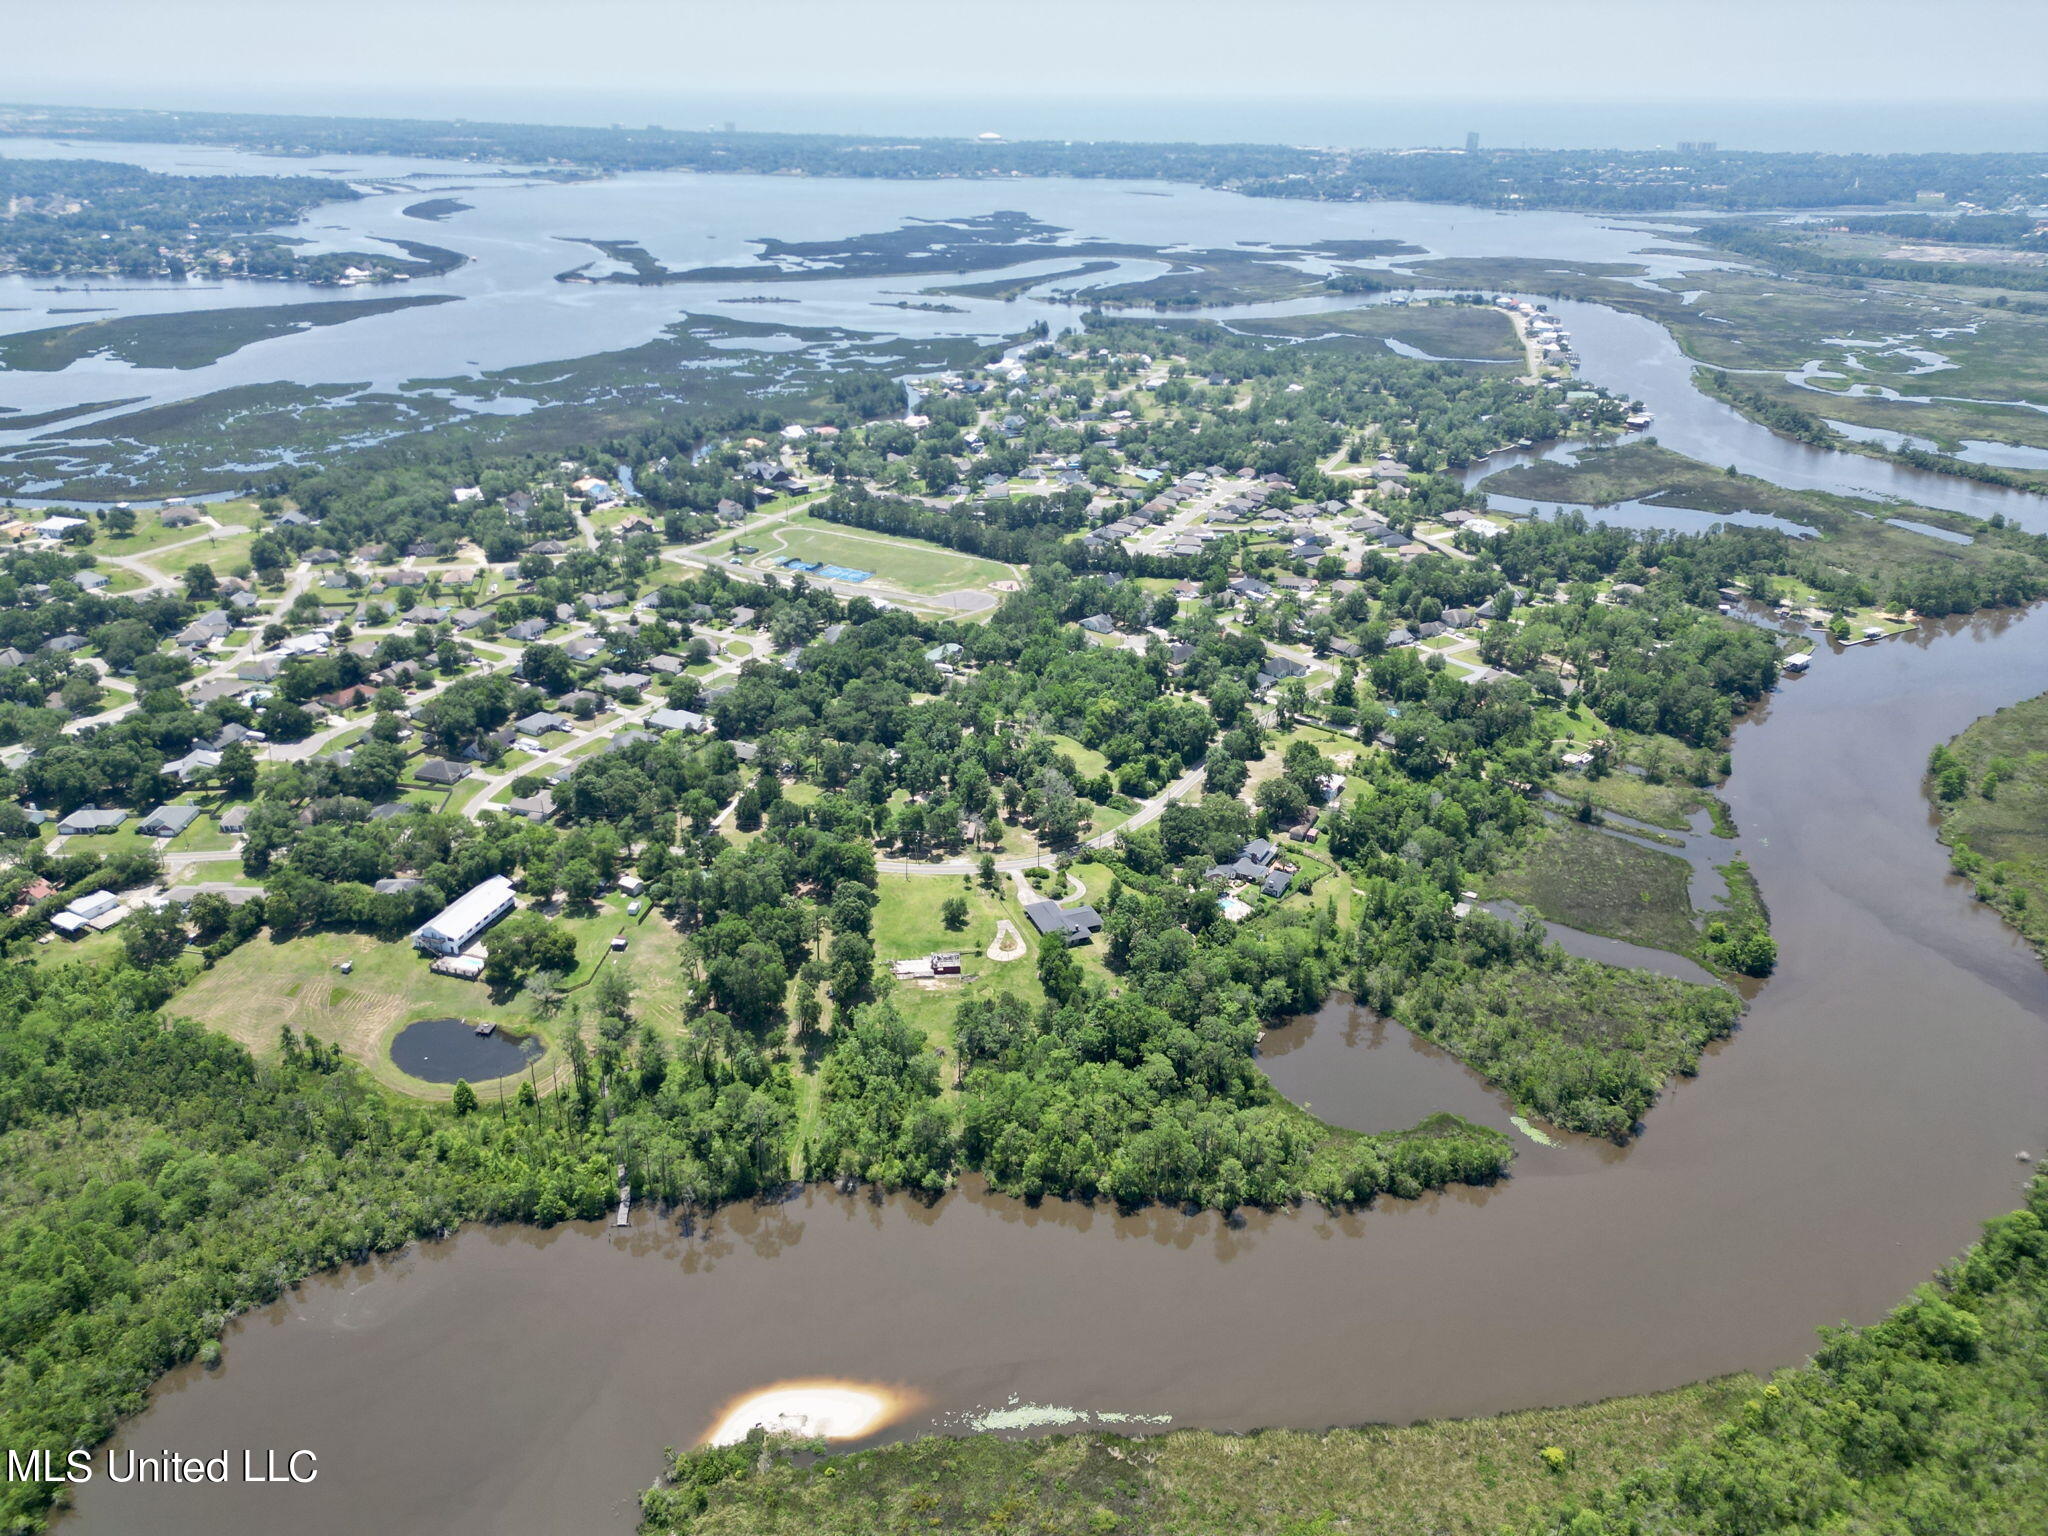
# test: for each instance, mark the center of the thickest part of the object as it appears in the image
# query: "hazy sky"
(595, 60)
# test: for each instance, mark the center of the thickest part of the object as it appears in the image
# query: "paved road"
(629, 718)
(300, 580)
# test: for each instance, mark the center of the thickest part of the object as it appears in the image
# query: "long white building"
(460, 922)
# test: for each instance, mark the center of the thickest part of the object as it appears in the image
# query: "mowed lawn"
(264, 986)
(223, 552)
(151, 533)
(908, 924)
(903, 563)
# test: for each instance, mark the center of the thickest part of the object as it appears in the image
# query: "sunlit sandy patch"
(824, 1410)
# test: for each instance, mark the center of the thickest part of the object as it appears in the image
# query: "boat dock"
(625, 1200)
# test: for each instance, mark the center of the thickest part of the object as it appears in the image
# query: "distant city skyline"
(1746, 73)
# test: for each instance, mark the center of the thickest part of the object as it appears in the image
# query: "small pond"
(443, 1050)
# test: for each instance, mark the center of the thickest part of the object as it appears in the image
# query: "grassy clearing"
(1453, 1478)
(265, 985)
(908, 924)
(1663, 805)
(93, 949)
(223, 552)
(902, 563)
(1590, 880)
(1088, 762)
(151, 533)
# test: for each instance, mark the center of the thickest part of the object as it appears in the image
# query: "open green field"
(223, 552)
(93, 949)
(150, 532)
(1590, 880)
(264, 985)
(2007, 828)
(907, 924)
(1666, 805)
(203, 836)
(1088, 762)
(902, 563)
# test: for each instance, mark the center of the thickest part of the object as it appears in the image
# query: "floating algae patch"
(1015, 1415)
(1539, 1137)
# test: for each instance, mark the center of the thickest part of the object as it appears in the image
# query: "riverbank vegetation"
(1859, 559)
(1938, 376)
(1603, 883)
(1927, 1421)
(1583, 1045)
(1990, 786)
(155, 1180)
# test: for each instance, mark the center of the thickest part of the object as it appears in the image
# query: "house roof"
(170, 819)
(1050, 917)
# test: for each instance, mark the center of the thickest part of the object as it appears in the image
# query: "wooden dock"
(625, 1200)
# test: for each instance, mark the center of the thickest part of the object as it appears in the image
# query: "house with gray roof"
(88, 819)
(1074, 924)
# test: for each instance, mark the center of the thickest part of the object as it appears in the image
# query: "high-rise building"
(1697, 146)
(1471, 143)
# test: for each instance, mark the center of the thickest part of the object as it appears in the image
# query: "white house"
(459, 924)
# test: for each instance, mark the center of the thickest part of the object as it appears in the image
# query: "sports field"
(904, 564)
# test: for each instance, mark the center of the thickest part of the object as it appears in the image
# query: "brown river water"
(1843, 1144)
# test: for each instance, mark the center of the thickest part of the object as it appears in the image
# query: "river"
(1846, 1141)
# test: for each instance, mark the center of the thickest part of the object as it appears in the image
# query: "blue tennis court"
(843, 573)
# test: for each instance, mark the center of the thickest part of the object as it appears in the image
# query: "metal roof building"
(459, 924)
